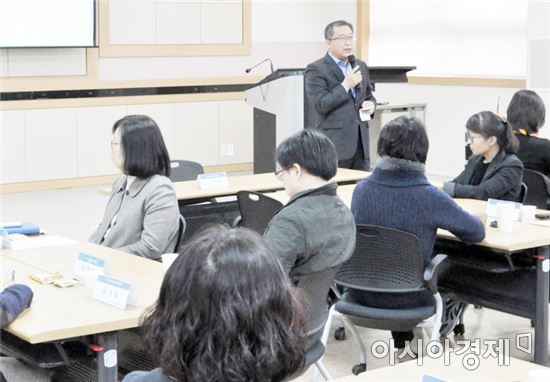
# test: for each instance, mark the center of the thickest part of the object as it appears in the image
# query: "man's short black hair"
(404, 138)
(312, 150)
(526, 111)
(329, 29)
(143, 147)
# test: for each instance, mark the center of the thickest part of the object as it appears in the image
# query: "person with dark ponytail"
(493, 171)
(526, 114)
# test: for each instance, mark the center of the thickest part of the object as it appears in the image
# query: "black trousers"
(358, 160)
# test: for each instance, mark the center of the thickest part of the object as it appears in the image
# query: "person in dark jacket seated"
(526, 114)
(315, 230)
(398, 195)
(493, 171)
(226, 312)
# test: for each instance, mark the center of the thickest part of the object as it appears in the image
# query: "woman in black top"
(493, 171)
(526, 114)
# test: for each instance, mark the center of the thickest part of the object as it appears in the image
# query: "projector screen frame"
(94, 36)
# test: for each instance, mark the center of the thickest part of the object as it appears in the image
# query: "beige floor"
(76, 212)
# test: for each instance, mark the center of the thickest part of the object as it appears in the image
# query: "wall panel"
(12, 127)
(51, 144)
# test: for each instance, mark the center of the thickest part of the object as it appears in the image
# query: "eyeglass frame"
(115, 143)
(344, 39)
(471, 139)
(279, 172)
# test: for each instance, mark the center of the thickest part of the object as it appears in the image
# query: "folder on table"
(25, 228)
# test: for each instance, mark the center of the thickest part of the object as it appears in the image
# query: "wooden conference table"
(487, 371)
(190, 190)
(58, 314)
(528, 241)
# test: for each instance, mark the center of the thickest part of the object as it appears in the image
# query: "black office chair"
(386, 261)
(182, 170)
(181, 233)
(314, 289)
(256, 210)
(524, 191)
(538, 194)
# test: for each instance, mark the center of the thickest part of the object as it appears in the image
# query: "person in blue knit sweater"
(398, 195)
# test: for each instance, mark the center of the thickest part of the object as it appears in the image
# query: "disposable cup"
(505, 217)
(528, 213)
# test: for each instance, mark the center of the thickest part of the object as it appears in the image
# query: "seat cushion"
(379, 318)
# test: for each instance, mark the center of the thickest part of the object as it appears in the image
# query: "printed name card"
(491, 210)
(86, 264)
(6, 243)
(430, 378)
(113, 291)
(214, 180)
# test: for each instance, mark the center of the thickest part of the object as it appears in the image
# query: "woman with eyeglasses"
(142, 214)
(526, 114)
(493, 171)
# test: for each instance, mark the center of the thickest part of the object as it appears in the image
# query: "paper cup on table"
(168, 259)
(505, 217)
(528, 213)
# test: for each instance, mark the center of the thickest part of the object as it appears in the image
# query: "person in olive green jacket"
(315, 230)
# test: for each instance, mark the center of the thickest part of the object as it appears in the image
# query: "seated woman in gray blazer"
(142, 214)
(494, 171)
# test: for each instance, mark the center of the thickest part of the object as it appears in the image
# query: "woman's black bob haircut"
(404, 138)
(312, 150)
(488, 124)
(227, 311)
(526, 111)
(142, 146)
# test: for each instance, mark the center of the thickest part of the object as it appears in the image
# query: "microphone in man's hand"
(351, 59)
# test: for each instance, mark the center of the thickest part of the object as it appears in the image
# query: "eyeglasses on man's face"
(113, 144)
(279, 173)
(343, 39)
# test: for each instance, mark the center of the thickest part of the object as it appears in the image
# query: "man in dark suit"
(340, 92)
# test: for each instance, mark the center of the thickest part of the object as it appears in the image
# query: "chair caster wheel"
(340, 334)
(359, 368)
(459, 330)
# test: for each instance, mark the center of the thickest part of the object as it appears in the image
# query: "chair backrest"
(384, 260)
(181, 233)
(314, 288)
(256, 210)
(523, 192)
(181, 170)
(538, 191)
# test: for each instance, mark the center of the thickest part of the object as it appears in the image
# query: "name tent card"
(86, 264)
(430, 378)
(113, 291)
(211, 181)
(491, 210)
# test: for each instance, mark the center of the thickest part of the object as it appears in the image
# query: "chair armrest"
(236, 222)
(431, 272)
